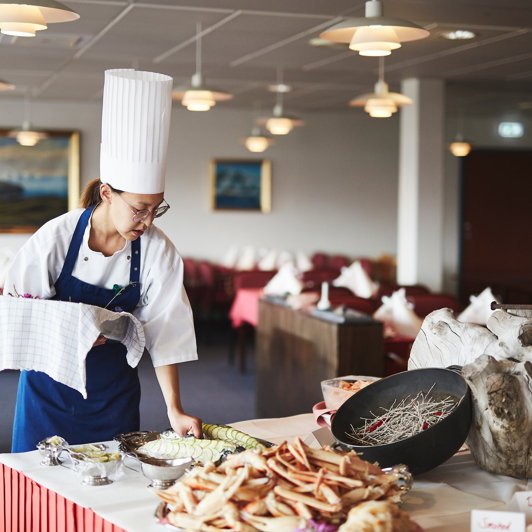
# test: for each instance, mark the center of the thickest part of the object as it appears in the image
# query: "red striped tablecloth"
(29, 507)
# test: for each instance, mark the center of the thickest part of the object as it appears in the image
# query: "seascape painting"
(240, 185)
(35, 181)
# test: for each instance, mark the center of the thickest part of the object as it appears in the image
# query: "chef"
(110, 254)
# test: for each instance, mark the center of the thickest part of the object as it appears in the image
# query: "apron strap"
(75, 243)
(134, 272)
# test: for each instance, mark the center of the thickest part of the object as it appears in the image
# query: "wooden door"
(497, 224)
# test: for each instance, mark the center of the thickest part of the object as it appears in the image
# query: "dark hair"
(91, 194)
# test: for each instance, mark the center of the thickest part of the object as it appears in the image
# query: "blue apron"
(46, 407)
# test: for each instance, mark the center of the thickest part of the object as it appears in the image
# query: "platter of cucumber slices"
(218, 441)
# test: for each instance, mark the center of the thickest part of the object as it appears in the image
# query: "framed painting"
(37, 183)
(240, 184)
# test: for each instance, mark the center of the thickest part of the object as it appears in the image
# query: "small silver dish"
(94, 472)
(163, 473)
(50, 448)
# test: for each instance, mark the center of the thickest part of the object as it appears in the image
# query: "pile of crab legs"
(276, 490)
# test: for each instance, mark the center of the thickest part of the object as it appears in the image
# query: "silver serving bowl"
(162, 472)
(93, 472)
(51, 451)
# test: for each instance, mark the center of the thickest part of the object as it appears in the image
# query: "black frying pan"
(425, 450)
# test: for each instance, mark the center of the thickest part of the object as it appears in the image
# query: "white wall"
(334, 180)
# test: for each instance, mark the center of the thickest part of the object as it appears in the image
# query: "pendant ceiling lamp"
(374, 34)
(460, 148)
(27, 135)
(381, 103)
(197, 96)
(280, 123)
(6, 86)
(257, 142)
(24, 19)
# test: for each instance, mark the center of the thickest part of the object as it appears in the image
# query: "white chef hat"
(135, 126)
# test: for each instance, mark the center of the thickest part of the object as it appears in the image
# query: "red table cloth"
(29, 507)
(245, 308)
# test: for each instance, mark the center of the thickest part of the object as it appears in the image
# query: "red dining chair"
(338, 262)
(313, 278)
(319, 260)
(191, 281)
(252, 279)
(410, 290)
(342, 296)
(426, 303)
(396, 354)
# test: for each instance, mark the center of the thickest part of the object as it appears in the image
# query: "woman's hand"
(183, 423)
(168, 377)
(99, 341)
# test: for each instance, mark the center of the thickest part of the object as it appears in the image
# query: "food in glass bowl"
(337, 391)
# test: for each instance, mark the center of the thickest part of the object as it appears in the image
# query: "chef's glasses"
(140, 216)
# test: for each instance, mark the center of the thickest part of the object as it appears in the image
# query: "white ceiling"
(245, 42)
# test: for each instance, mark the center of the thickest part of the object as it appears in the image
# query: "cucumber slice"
(153, 446)
(222, 433)
(210, 455)
(196, 450)
(207, 429)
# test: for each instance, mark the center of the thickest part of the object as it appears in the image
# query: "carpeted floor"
(211, 388)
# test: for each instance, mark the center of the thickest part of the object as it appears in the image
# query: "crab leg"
(277, 508)
(309, 501)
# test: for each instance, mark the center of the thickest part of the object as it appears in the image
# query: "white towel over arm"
(55, 337)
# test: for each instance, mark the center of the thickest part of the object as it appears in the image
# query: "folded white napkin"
(246, 261)
(285, 281)
(269, 262)
(357, 280)
(303, 263)
(479, 310)
(55, 337)
(284, 257)
(230, 257)
(397, 314)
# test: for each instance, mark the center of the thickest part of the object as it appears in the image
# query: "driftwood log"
(444, 341)
(500, 438)
(497, 364)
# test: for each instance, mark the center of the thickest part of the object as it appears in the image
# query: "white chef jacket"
(163, 308)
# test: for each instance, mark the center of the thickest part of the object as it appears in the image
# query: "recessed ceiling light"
(458, 35)
(279, 87)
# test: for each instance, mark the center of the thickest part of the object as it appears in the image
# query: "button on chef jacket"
(163, 309)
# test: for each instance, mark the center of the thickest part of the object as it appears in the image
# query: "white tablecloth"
(441, 500)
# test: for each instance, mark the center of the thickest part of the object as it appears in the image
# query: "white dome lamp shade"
(27, 135)
(280, 123)
(460, 148)
(197, 96)
(25, 19)
(382, 103)
(374, 34)
(6, 86)
(257, 142)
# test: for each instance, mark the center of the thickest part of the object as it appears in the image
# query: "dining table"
(52, 499)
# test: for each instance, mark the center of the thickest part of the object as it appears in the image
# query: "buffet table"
(54, 500)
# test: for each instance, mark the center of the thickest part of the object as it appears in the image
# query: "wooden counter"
(296, 351)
